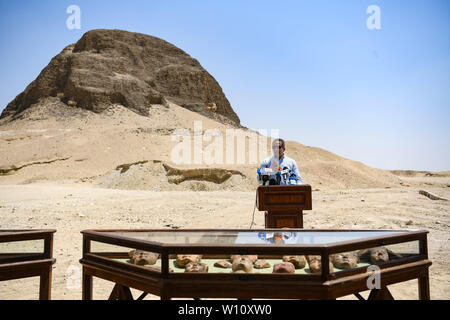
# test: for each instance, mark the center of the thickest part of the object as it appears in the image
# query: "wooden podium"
(284, 205)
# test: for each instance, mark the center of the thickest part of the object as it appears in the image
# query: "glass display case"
(27, 253)
(268, 263)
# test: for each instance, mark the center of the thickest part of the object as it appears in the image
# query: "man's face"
(277, 149)
(277, 238)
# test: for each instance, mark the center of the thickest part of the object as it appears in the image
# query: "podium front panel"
(284, 198)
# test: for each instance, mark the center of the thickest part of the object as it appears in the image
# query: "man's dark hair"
(281, 140)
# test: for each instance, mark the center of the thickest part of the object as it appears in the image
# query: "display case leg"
(424, 286)
(120, 292)
(164, 295)
(125, 293)
(114, 293)
(380, 294)
(86, 286)
(45, 285)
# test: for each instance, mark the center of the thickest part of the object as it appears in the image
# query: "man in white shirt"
(279, 159)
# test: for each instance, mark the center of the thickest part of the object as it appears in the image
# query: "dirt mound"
(215, 175)
(107, 67)
(158, 176)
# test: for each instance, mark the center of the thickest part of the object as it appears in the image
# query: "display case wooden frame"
(326, 285)
(16, 265)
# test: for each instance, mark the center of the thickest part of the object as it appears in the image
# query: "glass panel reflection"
(295, 263)
(26, 246)
(251, 237)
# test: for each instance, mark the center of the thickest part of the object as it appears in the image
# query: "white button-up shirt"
(284, 162)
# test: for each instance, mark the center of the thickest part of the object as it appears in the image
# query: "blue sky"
(309, 68)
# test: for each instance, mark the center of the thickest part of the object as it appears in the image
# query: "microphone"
(293, 179)
(278, 177)
(274, 178)
(264, 175)
(285, 172)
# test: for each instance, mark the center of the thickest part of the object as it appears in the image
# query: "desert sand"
(71, 208)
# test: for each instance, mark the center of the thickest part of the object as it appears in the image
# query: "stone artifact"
(315, 264)
(184, 259)
(142, 258)
(252, 258)
(379, 255)
(239, 271)
(261, 264)
(196, 267)
(345, 260)
(284, 267)
(374, 255)
(242, 263)
(223, 264)
(299, 262)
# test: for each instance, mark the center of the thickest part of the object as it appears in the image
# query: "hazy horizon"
(313, 69)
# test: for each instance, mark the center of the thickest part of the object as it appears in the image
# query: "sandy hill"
(105, 111)
(119, 148)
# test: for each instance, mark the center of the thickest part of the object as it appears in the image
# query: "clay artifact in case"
(184, 259)
(299, 262)
(223, 264)
(378, 255)
(283, 267)
(252, 257)
(261, 264)
(315, 264)
(142, 258)
(345, 260)
(196, 267)
(242, 264)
